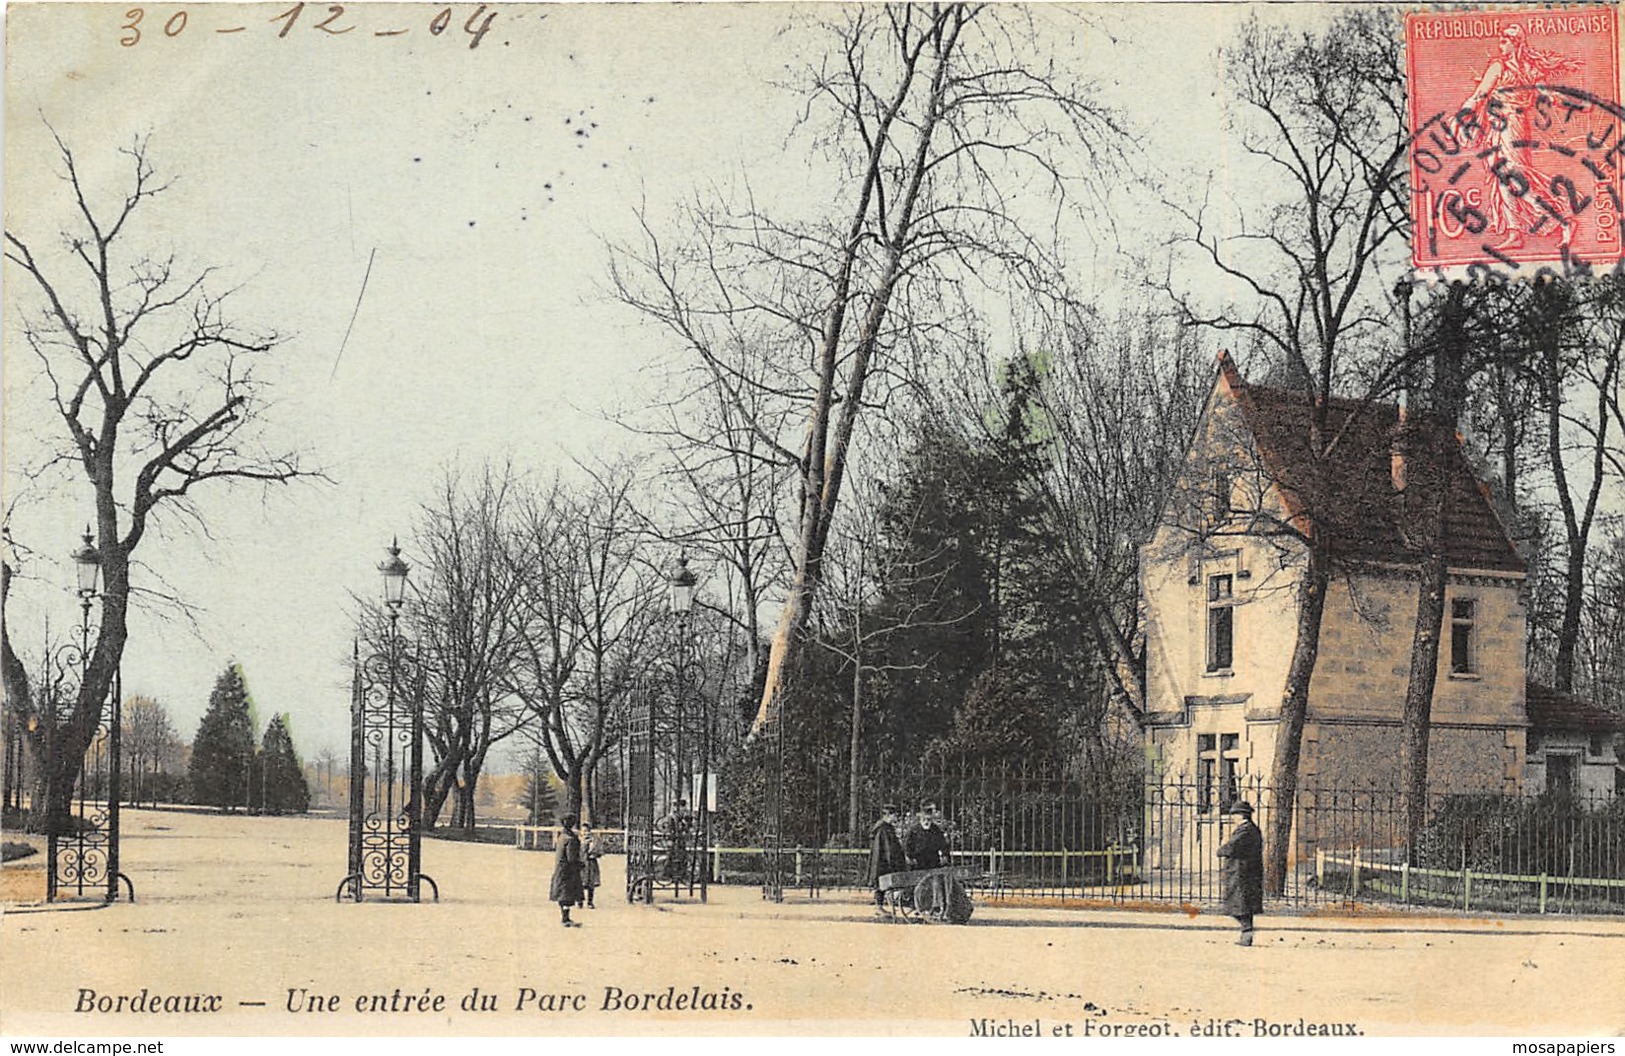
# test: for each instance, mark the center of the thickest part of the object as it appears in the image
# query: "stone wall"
(1365, 649)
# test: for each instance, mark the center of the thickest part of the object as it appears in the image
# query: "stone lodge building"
(1220, 583)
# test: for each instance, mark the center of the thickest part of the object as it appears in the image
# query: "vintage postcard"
(1098, 521)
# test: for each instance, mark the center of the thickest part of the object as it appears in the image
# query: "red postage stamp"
(1516, 152)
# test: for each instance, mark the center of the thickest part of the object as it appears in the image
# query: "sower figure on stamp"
(1523, 198)
(1243, 855)
(566, 886)
(885, 852)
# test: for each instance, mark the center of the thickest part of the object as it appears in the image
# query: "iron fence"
(1029, 833)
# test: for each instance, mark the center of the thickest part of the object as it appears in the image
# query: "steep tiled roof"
(1364, 510)
(1551, 709)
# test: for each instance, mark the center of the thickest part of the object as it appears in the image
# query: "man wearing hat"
(885, 852)
(1243, 855)
(925, 843)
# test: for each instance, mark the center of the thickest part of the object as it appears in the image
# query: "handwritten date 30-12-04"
(141, 26)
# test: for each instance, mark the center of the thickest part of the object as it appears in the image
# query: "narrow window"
(1207, 767)
(1461, 636)
(1220, 623)
(1222, 483)
(1229, 765)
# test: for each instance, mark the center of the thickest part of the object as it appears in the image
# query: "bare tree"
(1323, 116)
(854, 625)
(148, 742)
(321, 770)
(1575, 349)
(935, 117)
(1120, 399)
(467, 629)
(589, 607)
(155, 389)
(1427, 444)
(22, 712)
(1548, 404)
(726, 488)
(1600, 666)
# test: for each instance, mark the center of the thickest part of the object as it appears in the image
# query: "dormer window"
(1221, 622)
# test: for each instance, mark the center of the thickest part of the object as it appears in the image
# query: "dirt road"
(235, 932)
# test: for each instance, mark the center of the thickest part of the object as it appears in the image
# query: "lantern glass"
(87, 561)
(682, 588)
(394, 571)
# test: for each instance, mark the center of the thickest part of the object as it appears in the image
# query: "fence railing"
(1417, 885)
(543, 837)
(1026, 833)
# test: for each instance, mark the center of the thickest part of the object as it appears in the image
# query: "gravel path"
(235, 932)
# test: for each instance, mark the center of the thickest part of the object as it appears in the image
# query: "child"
(591, 875)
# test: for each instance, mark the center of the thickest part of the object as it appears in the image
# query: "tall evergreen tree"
(1016, 709)
(284, 789)
(223, 750)
(934, 520)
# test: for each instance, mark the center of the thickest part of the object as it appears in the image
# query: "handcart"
(936, 896)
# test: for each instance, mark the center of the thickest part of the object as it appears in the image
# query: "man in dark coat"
(885, 852)
(675, 828)
(926, 844)
(1243, 855)
(566, 886)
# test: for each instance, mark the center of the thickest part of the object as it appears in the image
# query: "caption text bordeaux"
(301, 1000)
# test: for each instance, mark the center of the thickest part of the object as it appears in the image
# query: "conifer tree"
(1015, 710)
(932, 523)
(223, 750)
(285, 790)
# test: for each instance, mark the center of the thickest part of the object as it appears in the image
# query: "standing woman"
(591, 875)
(566, 887)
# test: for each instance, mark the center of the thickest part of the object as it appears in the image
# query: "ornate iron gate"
(640, 805)
(773, 854)
(82, 842)
(669, 791)
(386, 778)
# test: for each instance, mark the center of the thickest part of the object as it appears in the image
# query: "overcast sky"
(480, 184)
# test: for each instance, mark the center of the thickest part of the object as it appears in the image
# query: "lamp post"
(682, 583)
(393, 572)
(82, 851)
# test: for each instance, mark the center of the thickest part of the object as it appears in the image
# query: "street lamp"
(394, 572)
(682, 588)
(682, 583)
(84, 849)
(87, 563)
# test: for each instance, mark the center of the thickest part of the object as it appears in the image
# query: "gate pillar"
(386, 763)
(82, 820)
